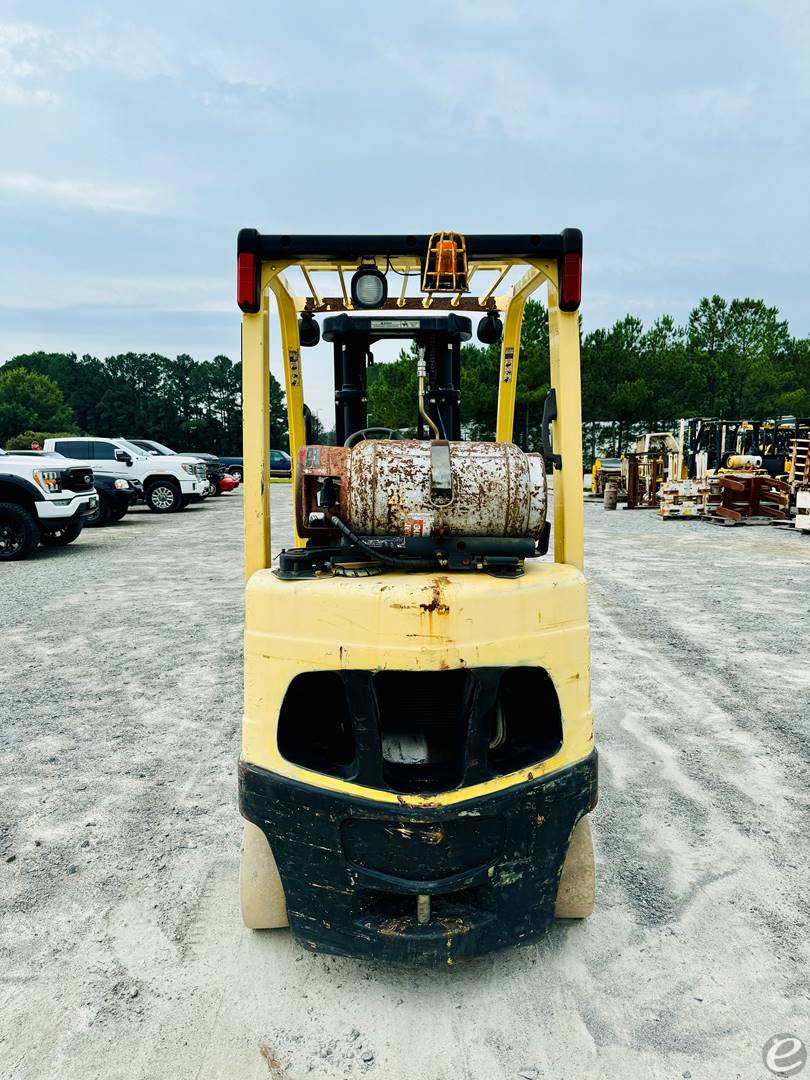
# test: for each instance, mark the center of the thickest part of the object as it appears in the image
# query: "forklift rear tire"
(264, 906)
(577, 889)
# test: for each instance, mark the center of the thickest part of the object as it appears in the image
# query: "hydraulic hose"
(382, 556)
(421, 375)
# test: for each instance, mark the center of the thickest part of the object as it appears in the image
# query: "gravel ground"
(121, 949)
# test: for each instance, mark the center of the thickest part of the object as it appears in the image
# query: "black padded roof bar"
(350, 249)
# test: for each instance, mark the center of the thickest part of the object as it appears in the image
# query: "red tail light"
(247, 282)
(571, 283)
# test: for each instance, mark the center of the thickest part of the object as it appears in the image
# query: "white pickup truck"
(43, 499)
(169, 483)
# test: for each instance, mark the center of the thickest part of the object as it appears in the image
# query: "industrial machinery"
(605, 470)
(683, 498)
(747, 491)
(710, 442)
(644, 467)
(417, 760)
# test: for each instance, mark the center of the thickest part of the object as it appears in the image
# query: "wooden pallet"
(731, 523)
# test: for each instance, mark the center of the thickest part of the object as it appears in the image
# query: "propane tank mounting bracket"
(441, 473)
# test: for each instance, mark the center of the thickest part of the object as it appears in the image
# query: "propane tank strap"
(441, 475)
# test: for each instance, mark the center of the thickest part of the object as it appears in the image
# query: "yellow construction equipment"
(418, 759)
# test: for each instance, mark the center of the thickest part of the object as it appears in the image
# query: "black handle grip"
(549, 413)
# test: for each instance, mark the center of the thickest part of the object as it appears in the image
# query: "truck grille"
(77, 479)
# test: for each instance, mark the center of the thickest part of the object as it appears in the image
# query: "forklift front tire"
(264, 906)
(577, 889)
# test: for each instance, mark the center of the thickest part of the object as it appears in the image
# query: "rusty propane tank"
(410, 487)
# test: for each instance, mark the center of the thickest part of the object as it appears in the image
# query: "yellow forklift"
(417, 758)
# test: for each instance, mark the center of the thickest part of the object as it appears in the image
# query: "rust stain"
(395, 926)
(423, 801)
(437, 602)
(277, 1071)
(453, 924)
(434, 835)
(540, 819)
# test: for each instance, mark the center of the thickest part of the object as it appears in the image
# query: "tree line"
(186, 404)
(733, 359)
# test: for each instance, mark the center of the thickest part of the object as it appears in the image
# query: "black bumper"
(82, 511)
(121, 500)
(352, 869)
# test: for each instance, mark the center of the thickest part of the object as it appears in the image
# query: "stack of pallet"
(800, 482)
(800, 463)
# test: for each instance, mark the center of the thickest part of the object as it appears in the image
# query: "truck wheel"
(237, 472)
(118, 512)
(261, 893)
(163, 497)
(64, 536)
(101, 515)
(577, 889)
(19, 532)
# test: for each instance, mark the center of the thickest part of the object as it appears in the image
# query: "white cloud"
(485, 11)
(152, 292)
(728, 105)
(12, 93)
(504, 93)
(18, 44)
(31, 58)
(82, 194)
(790, 20)
(510, 13)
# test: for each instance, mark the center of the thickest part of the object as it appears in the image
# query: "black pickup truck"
(115, 497)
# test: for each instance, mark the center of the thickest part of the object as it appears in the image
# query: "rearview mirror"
(123, 456)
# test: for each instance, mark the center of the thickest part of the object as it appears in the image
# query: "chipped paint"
(507, 874)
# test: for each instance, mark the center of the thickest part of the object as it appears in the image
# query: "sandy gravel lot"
(122, 954)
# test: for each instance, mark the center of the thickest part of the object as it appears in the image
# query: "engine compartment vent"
(315, 726)
(420, 732)
(423, 728)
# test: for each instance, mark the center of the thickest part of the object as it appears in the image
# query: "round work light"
(490, 328)
(369, 287)
(309, 333)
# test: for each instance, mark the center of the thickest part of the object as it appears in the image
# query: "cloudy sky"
(136, 139)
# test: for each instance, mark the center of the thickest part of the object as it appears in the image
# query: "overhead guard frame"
(543, 256)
